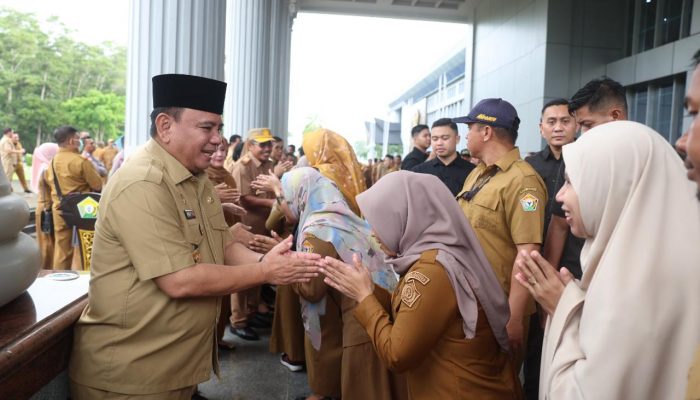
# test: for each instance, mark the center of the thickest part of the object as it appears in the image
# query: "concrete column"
(169, 36)
(283, 14)
(247, 65)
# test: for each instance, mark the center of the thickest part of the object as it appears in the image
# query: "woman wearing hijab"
(40, 161)
(327, 226)
(335, 159)
(624, 330)
(447, 329)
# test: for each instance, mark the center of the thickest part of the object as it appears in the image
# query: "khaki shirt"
(155, 218)
(244, 172)
(75, 175)
(507, 211)
(6, 154)
(107, 156)
(693, 392)
(425, 339)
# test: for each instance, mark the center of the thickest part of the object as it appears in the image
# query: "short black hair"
(64, 133)
(556, 102)
(172, 111)
(389, 156)
(233, 138)
(6, 131)
(277, 139)
(446, 122)
(599, 92)
(237, 150)
(418, 129)
(294, 148)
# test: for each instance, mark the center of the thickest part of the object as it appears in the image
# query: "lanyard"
(479, 184)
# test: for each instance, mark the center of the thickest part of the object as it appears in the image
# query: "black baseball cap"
(189, 91)
(494, 112)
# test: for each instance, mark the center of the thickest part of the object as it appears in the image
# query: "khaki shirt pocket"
(485, 213)
(221, 236)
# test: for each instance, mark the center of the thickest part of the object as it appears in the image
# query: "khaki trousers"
(82, 392)
(19, 170)
(243, 305)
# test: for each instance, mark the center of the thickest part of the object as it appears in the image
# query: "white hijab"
(629, 330)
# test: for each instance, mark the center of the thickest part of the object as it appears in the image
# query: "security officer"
(503, 199)
(157, 274)
(69, 173)
(258, 205)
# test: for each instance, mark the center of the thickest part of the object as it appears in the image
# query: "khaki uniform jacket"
(363, 375)
(424, 338)
(6, 154)
(693, 392)
(507, 211)
(323, 366)
(155, 218)
(107, 156)
(244, 172)
(75, 175)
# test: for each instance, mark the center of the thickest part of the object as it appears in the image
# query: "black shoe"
(258, 321)
(27, 191)
(265, 317)
(198, 396)
(245, 333)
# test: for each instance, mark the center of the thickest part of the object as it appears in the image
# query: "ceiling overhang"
(458, 11)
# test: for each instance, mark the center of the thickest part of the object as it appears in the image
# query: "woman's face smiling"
(569, 199)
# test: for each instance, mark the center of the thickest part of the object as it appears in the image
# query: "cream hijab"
(629, 330)
(412, 213)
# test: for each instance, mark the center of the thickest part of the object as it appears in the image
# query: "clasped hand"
(543, 281)
(283, 267)
(353, 281)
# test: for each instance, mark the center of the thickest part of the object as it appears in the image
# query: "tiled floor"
(251, 372)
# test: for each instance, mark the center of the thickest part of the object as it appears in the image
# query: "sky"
(344, 69)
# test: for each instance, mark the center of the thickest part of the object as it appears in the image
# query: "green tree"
(100, 113)
(42, 67)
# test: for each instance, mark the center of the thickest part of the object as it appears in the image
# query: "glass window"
(640, 105)
(664, 109)
(671, 21)
(647, 23)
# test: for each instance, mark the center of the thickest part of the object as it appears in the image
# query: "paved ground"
(250, 372)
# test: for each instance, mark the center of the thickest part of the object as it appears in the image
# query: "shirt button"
(209, 200)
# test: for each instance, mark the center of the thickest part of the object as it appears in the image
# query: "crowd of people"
(442, 275)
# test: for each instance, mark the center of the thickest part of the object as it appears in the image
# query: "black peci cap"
(189, 91)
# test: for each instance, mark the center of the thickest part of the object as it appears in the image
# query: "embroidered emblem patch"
(307, 247)
(415, 275)
(409, 294)
(529, 203)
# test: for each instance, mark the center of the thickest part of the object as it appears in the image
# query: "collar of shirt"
(65, 150)
(547, 154)
(508, 159)
(171, 165)
(436, 162)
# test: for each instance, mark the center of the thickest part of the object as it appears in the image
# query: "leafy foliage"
(48, 79)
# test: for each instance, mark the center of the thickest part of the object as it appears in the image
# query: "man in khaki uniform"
(258, 205)
(149, 330)
(503, 199)
(75, 175)
(19, 162)
(107, 154)
(7, 153)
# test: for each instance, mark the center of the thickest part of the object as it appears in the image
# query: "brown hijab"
(423, 215)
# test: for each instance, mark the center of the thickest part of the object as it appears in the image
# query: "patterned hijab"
(333, 156)
(423, 215)
(323, 212)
